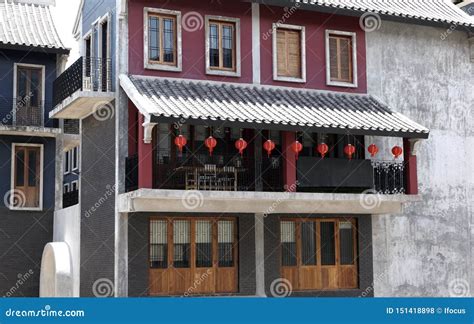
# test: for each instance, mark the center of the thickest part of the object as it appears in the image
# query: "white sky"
(64, 15)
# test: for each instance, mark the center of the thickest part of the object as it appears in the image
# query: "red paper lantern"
(269, 146)
(323, 149)
(211, 144)
(180, 141)
(373, 150)
(241, 145)
(397, 151)
(349, 150)
(297, 147)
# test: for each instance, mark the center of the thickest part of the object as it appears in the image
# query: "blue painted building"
(31, 57)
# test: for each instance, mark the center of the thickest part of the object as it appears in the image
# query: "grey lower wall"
(426, 74)
(138, 243)
(365, 257)
(23, 236)
(97, 207)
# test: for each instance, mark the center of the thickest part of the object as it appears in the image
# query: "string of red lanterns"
(323, 149)
(180, 141)
(269, 146)
(297, 147)
(211, 144)
(397, 151)
(349, 151)
(373, 150)
(241, 145)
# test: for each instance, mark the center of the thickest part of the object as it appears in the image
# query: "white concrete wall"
(67, 228)
(427, 250)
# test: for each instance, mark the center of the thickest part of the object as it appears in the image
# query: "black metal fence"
(70, 198)
(389, 177)
(87, 74)
(22, 112)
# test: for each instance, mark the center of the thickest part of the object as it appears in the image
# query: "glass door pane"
(288, 243)
(308, 243)
(203, 244)
(225, 240)
(346, 244)
(181, 243)
(328, 247)
(159, 244)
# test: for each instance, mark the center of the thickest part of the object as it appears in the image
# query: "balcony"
(83, 88)
(70, 198)
(25, 112)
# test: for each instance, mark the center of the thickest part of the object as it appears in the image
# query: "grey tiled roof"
(441, 11)
(264, 106)
(27, 24)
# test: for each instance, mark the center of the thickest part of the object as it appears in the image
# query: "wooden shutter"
(289, 53)
(340, 58)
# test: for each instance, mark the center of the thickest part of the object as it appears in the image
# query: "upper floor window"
(162, 39)
(289, 53)
(27, 177)
(222, 46)
(341, 58)
(67, 162)
(75, 159)
(29, 94)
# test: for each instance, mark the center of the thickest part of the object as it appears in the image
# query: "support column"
(260, 255)
(145, 158)
(289, 162)
(258, 160)
(121, 255)
(411, 173)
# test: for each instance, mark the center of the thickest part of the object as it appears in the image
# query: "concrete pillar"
(121, 255)
(411, 174)
(289, 161)
(260, 255)
(145, 158)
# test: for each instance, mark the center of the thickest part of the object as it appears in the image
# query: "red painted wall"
(193, 42)
(316, 25)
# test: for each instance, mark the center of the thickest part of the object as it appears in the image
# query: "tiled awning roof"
(27, 24)
(266, 107)
(438, 11)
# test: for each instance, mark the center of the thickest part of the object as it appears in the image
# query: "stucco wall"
(427, 248)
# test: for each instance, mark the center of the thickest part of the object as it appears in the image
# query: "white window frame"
(89, 36)
(238, 65)
(179, 49)
(104, 19)
(41, 174)
(302, 31)
(15, 87)
(354, 83)
(66, 188)
(74, 159)
(75, 182)
(67, 162)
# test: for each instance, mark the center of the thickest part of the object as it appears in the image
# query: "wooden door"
(193, 256)
(27, 175)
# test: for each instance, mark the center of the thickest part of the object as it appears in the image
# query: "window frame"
(67, 162)
(15, 86)
(74, 158)
(329, 82)
(302, 30)
(237, 71)
(41, 175)
(75, 182)
(148, 64)
(66, 188)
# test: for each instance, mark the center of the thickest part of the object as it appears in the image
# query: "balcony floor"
(29, 131)
(157, 200)
(81, 104)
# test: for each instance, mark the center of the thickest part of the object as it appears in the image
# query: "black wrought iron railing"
(70, 198)
(204, 172)
(86, 74)
(22, 112)
(389, 177)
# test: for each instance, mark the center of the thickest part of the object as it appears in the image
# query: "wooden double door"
(319, 254)
(193, 256)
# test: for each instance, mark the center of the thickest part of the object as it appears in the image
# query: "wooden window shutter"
(340, 60)
(289, 53)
